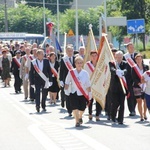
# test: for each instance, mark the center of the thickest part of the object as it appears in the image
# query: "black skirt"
(54, 87)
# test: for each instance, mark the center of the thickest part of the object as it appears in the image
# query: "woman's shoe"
(142, 119)
(145, 118)
(77, 124)
(80, 121)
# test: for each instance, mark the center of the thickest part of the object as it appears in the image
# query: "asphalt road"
(21, 128)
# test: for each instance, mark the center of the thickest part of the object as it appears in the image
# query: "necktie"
(70, 59)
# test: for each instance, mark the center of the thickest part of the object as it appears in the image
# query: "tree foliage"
(134, 9)
(24, 19)
(91, 16)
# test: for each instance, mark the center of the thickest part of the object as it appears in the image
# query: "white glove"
(119, 73)
(90, 95)
(33, 86)
(61, 83)
(26, 76)
(50, 84)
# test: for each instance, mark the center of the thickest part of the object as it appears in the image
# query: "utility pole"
(6, 21)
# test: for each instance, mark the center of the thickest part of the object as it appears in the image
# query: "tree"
(91, 16)
(134, 9)
(51, 4)
(25, 19)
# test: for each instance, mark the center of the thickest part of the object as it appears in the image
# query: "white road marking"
(46, 142)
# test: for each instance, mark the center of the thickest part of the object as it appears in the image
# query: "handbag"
(137, 91)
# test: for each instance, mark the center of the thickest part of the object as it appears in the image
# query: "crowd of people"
(48, 73)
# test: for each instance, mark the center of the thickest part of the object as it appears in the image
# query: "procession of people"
(41, 74)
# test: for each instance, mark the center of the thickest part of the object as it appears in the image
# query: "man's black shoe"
(62, 104)
(38, 109)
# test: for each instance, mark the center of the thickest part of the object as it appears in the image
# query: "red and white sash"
(54, 71)
(41, 74)
(78, 84)
(18, 63)
(90, 66)
(26, 57)
(133, 65)
(67, 63)
(31, 57)
(146, 75)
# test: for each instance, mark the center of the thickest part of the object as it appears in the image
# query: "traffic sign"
(136, 26)
(70, 33)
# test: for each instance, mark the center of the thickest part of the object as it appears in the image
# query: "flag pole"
(65, 42)
(90, 28)
(114, 61)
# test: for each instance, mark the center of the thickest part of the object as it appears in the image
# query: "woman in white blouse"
(79, 99)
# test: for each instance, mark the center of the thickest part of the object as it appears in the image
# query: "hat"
(128, 43)
(114, 50)
(18, 52)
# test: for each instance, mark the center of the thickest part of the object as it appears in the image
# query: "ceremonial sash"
(25, 58)
(17, 62)
(78, 84)
(68, 64)
(91, 67)
(133, 65)
(31, 58)
(41, 74)
(54, 71)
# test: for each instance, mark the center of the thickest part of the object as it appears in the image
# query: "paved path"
(22, 128)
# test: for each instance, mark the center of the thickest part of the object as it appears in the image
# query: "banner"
(100, 79)
(91, 45)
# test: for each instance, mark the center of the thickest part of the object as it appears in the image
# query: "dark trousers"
(32, 93)
(131, 100)
(68, 104)
(17, 83)
(118, 102)
(37, 96)
(108, 103)
(62, 93)
(98, 108)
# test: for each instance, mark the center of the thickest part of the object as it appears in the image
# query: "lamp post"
(77, 30)
(58, 20)
(105, 14)
(44, 20)
(6, 22)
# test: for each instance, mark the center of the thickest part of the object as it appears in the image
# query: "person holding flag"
(139, 88)
(89, 67)
(15, 67)
(118, 70)
(80, 93)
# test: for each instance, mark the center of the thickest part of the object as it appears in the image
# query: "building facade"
(85, 4)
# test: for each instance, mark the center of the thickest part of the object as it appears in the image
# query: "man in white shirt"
(40, 78)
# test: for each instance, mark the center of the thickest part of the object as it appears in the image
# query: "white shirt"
(40, 64)
(83, 78)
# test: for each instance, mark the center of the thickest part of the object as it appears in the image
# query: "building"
(85, 4)
(10, 3)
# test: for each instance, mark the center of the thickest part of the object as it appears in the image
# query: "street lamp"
(58, 20)
(77, 30)
(6, 22)
(44, 22)
(105, 14)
